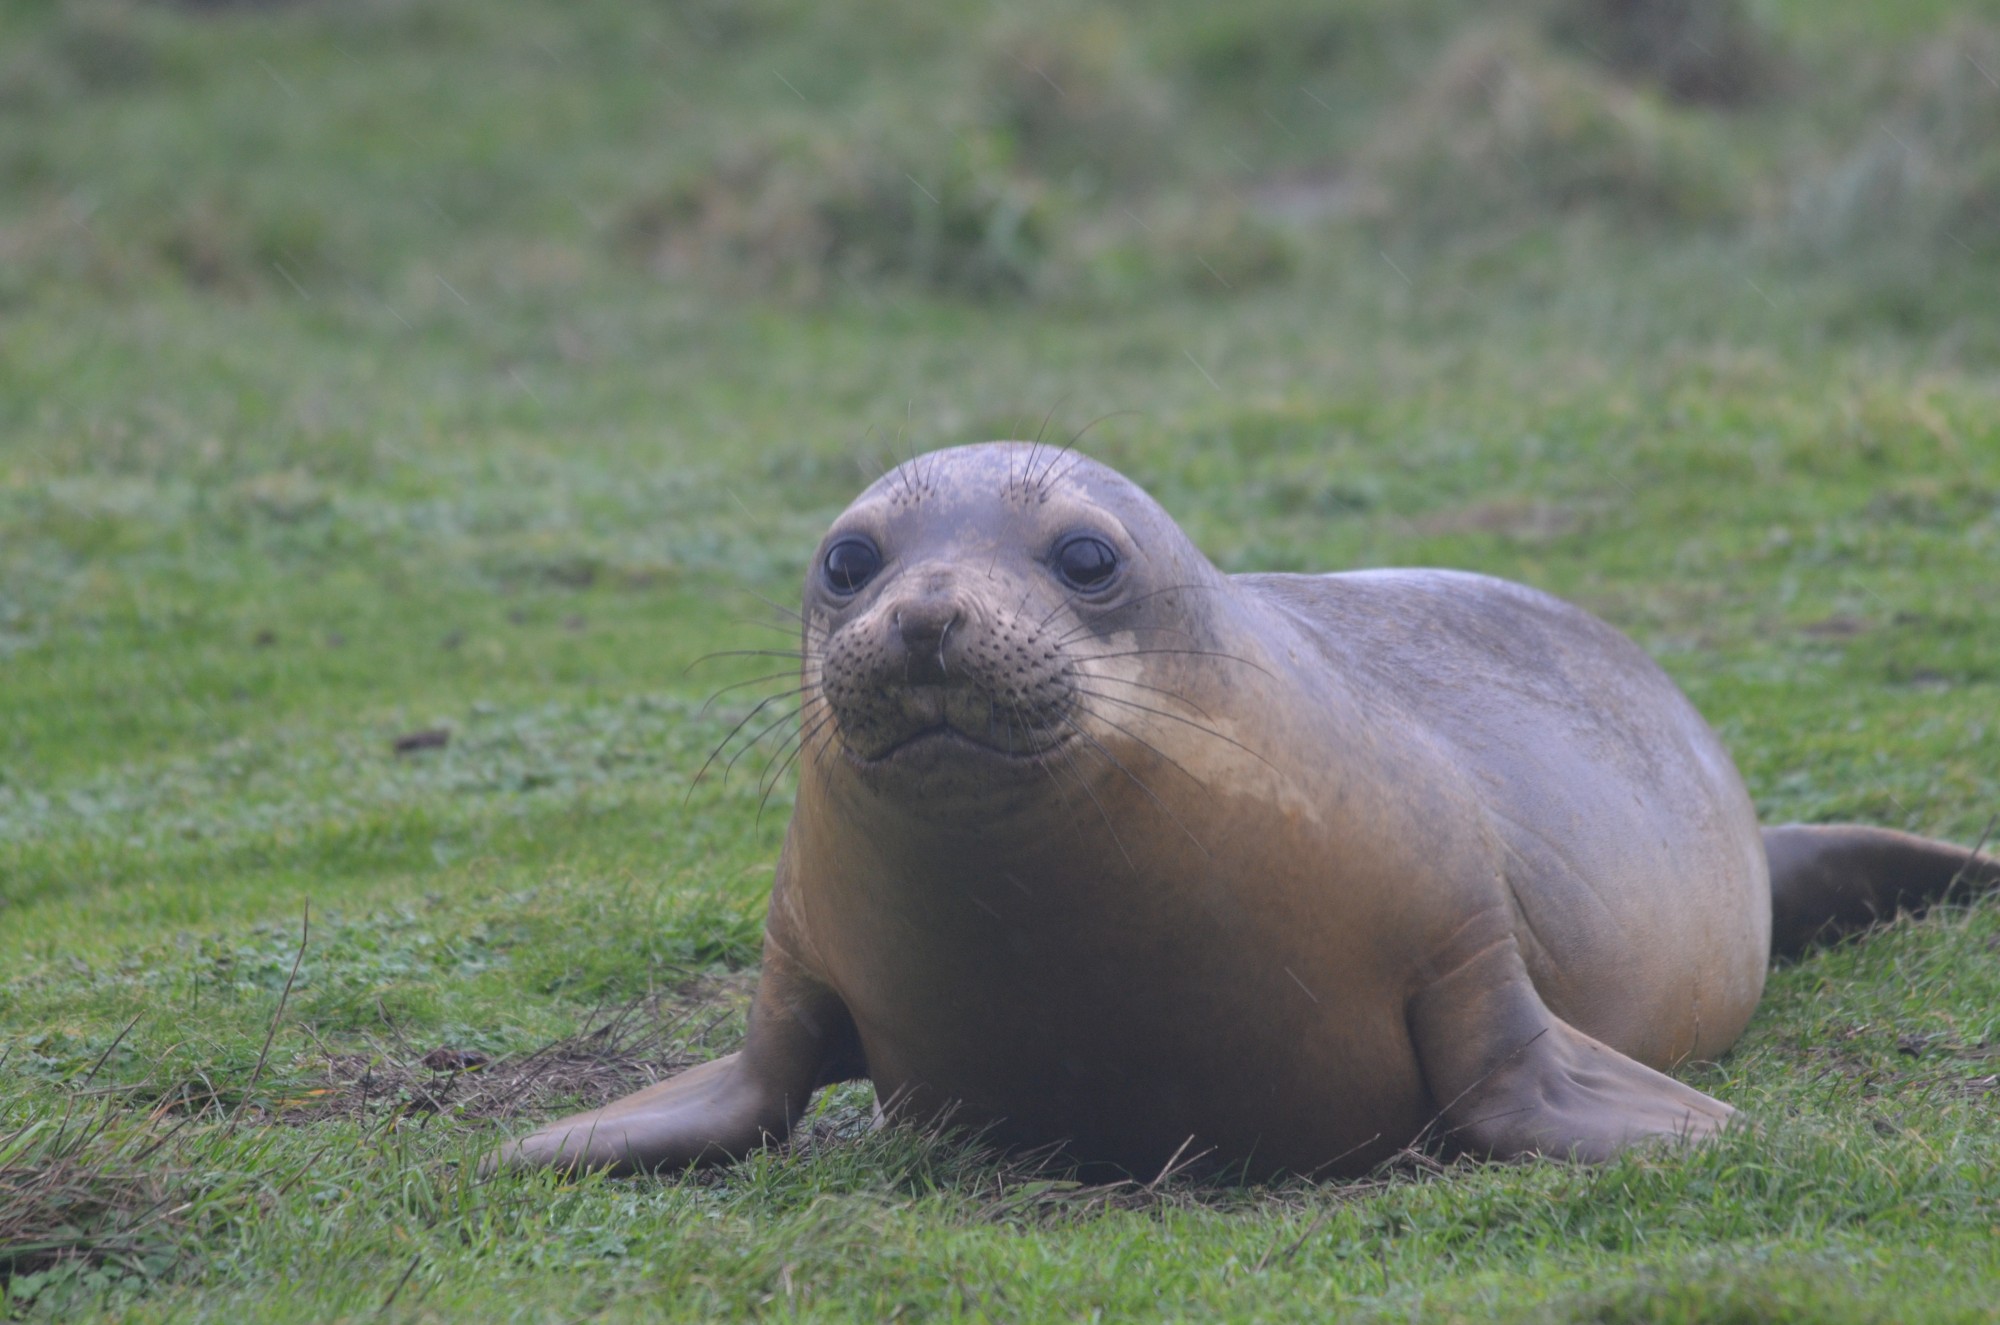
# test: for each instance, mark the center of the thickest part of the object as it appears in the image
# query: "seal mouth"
(943, 741)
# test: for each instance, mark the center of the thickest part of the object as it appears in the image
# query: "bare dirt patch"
(616, 1051)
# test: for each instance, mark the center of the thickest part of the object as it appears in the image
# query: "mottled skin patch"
(1290, 871)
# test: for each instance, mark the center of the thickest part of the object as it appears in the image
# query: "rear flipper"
(1827, 880)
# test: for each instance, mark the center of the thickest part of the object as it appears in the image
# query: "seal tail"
(1831, 879)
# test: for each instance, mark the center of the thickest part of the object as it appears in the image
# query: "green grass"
(338, 400)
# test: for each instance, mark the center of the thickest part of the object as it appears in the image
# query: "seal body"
(1097, 847)
(1358, 769)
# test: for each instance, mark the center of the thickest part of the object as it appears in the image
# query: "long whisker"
(755, 680)
(723, 744)
(1141, 783)
(1020, 730)
(784, 628)
(903, 430)
(808, 727)
(1175, 717)
(1077, 436)
(1041, 481)
(1078, 824)
(1084, 782)
(1193, 653)
(742, 653)
(751, 744)
(1138, 781)
(1128, 732)
(816, 716)
(1045, 422)
(1037, 481)
(826, 742)
(870, 456)
(1089, 627)
(751, 653)
(1128, 604)
(776, 606)
(804, 735)
(1144, 685)
(903, 475)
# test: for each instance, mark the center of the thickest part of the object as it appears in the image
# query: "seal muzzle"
(933, 657)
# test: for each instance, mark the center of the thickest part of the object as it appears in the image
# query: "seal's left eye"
(1086, 562)
(851, 563)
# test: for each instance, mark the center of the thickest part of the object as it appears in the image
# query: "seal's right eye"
(851, 563)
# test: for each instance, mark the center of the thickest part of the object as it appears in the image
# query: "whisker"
(794, 613)
(903, 474)
(1045, 425)
(803, 736)
(1138, 781)
(1090, 627)
(1144, 685)
(808, 728)
(1084, 782)
(1040, 481)
(723, 744)
(1144, 597)
(751, 744)
(1147, 708)
(1141, 783)
(750, 653)
(825, 745)
(1193, 653)
(1067, 599)
(1132, 735)
(755, 680)
(870, 457)
(1077, 823)
(786, 629)
(1077, 436)
(742, 653)
(1020, 731)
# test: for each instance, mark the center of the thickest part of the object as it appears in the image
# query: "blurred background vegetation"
(1072, 153)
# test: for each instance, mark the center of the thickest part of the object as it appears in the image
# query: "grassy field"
(383, 368)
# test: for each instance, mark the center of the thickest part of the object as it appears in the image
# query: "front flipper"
(800, 1038)
(1510, 1078)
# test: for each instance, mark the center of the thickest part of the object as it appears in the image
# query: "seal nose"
(924, 624)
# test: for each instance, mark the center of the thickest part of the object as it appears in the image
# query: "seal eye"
(1085, 562)
(851, 563)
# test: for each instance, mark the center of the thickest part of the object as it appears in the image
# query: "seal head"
(966, 619)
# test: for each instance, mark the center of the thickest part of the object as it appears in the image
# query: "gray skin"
(1289, 871)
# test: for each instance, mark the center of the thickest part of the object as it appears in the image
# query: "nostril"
(925, 626)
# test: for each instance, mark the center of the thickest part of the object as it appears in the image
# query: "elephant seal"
(1097, 847)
